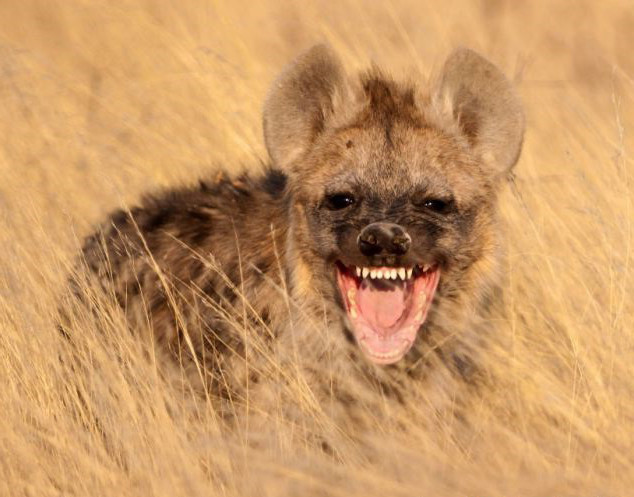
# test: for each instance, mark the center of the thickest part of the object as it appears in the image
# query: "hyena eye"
(435, 204)
(441, 204)
(339, 201)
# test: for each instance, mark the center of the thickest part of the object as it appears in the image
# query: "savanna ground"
(100, 101)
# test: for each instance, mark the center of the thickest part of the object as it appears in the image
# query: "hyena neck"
(304, 288)
(459, 325)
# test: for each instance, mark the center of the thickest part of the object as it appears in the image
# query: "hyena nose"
(383, 238)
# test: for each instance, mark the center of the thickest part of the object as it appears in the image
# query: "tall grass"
(101, 101)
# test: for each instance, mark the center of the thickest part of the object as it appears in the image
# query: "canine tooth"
(372, 273)
(358, 271)
(365, 272)
(401, 273)
(409, 273)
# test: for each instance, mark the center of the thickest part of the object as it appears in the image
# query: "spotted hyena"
(372, 235)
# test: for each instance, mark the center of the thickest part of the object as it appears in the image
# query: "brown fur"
(199, 265)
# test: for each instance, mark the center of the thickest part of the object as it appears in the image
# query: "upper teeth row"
(388, 273)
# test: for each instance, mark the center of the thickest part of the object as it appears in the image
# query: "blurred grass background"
(101, 101)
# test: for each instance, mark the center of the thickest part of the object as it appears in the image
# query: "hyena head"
(393, 190)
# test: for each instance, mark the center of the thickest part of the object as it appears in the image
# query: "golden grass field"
(101, 101)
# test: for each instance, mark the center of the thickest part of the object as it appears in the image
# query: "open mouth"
(386, 306)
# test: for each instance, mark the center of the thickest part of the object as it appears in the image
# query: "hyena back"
(377, 217)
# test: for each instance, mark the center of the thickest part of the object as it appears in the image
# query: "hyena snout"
(383, 239)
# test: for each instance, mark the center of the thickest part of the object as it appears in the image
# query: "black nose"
(383, 238)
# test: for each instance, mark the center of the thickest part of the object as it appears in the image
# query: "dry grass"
(100, 101)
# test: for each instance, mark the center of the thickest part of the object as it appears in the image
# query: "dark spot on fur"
(233, 273)
(327, 449)
(349, 336)
(198, 215)
(209, 289)
(262, 266)
(349, 144)
(229, 294)
(464, 366)
(265, 316)
(200, 236)
(133, 289)
(119, 217)
(157, 220)
(274, 182)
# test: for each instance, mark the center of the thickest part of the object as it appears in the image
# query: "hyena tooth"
(353, 313)
(386, 274)
(351, 294)
(358, 272)
(422, 298)
(401, 273)
(379, 274)
(409, 273)
(372, 273)
(426, 268)
(365, 272)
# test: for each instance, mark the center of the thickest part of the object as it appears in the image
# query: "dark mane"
(389, 101)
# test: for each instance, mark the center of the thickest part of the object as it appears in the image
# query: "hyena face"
(393, 191)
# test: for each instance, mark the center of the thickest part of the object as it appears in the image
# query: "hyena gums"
(377, 217)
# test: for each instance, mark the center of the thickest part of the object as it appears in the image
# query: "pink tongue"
(381, 308)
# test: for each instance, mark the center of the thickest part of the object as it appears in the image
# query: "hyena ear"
(300, 102)
(484, 105)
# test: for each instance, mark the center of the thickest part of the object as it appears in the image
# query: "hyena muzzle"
(378, 209)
